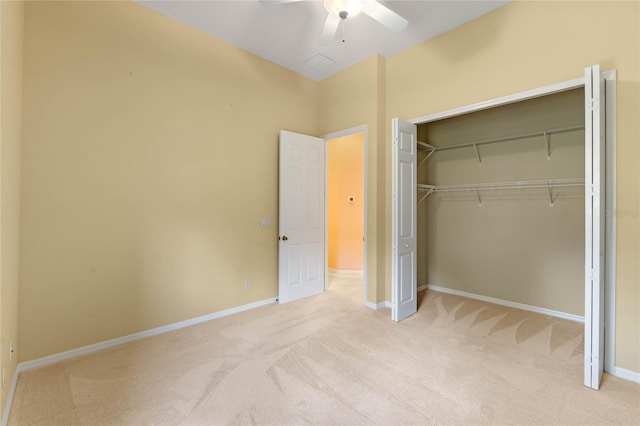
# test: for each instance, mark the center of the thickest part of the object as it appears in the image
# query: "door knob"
(284, 238)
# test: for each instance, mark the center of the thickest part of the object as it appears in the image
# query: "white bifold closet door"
(404, 223)
(594, 226)
(301, 252)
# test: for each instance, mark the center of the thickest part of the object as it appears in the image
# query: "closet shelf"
(545, 133)
(548, 184)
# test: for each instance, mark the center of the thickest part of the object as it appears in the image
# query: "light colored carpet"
(328, 360)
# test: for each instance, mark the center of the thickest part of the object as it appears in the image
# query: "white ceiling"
(288, 34)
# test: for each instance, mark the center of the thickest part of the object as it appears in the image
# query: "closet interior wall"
(508, 244)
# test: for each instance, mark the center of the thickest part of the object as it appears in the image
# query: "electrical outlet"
(247, 284)
(11, 351)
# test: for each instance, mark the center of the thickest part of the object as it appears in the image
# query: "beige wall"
(11, 29)
(525, 45)
(150, 155)
(345, 219)
(514, 246)
(352, 98)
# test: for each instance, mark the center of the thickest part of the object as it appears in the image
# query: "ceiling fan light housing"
(352, 7)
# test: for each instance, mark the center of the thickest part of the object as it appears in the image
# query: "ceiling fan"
(340, 10)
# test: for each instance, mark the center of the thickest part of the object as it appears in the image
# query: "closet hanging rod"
(514, 137)
(530, 184)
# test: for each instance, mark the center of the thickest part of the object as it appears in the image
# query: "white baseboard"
(623, 373)
(29, 365)
(375, 306)
(388, 304)
(508, 303)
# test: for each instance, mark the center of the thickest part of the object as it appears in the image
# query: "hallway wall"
(345, 158)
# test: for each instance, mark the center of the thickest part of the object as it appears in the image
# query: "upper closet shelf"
(548, 184)
(545, 133)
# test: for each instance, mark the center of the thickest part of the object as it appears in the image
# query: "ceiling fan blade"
(384, 15)
(272, 2)
(329, 29)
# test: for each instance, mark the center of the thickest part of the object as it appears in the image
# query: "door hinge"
(593, 104)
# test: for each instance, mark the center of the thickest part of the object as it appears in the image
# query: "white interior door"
(595, 226)
(404, 180)
(301, 262)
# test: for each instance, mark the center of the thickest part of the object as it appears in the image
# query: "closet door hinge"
(593, 104)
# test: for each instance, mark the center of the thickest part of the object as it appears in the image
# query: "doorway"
(346, 207)
(303, 234)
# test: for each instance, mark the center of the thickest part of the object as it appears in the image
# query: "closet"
(501, 203)
(519, 159)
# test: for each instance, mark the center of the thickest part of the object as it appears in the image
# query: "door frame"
(347, 132)
(610, 186)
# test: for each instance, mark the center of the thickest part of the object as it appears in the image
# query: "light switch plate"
(265, 222)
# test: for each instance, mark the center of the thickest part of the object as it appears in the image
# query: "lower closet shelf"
(548, 184)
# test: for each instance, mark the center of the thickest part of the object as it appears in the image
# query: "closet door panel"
(594, 226)
(404, 177)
